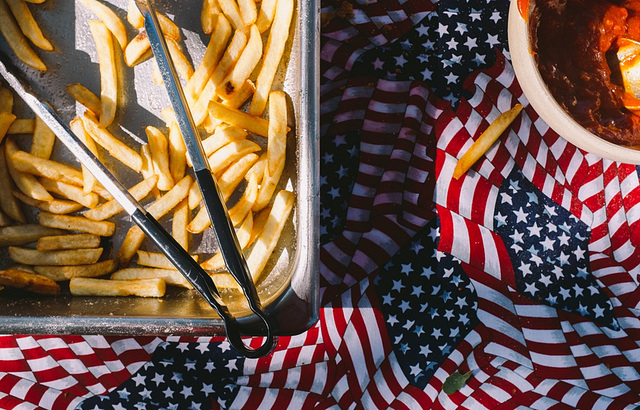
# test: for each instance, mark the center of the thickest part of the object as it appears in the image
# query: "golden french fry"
(134, 17)
(216, 262)
(6, 119)
(22, 126)
(486, 140)
(28, 24)
(179, 223)
(168, 27)
(231, 11)
(57, 258)
(84, 96)
(8, 203)
(157, 260)
(56, 206)
(265, 15)
(16, 40)
(158, 209)
(6, 100)
(251, 123)
(180, 60)
(212, 55)
(200, 222)
(137, 48)
(239, 96)
(259, 221)
(70, 241)
(108, 70)
(31, 164)
(248, 60)
(62, 273)
(240, 210)
(113, 207)
(232, 53)
(248, 11)
(231, 177)
(110, 19)
(195, 196)
(32, 282)
(107, 287)
(26, 183)
(23, 234)
(160, 157)
(209, 15)
(223, 157)
(89, 181)
(177, 149)
(114, 146)
(170, 276)
(147, 168)
(43, 140)
(268, 187)
(257, 168)
(273, 54)
(266, 242)
(223, 135)
(277, 140)
(76, 223)
(72, 192)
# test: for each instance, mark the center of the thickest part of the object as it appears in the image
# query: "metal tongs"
(192, 271)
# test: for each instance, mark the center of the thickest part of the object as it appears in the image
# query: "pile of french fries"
(233, 99)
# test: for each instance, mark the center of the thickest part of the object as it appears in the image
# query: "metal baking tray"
(289, 285)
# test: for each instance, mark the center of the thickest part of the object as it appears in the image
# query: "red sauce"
(575, 43)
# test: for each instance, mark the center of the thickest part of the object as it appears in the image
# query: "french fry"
(158, 209)
(62, 273)
(223, 157)
(22, 126)
(259, 221)
(110, 19)
(240, 96)
(8, 203)
(107, 287)
(200, 222)
(212, 55)
(70, 241)
(209, 15)
(240, 210)
(84, 96)
(157, 260)
(6, 100)
(177, 149)
(268, 187)
(180, 60)
(17, 41)
(76, 223)
(31, 282)
(114, 146)
(267, 240)
(486, 140)
(18, 235)
(257, 168)
(108, 70)
(31, 164)
(6, 119)
(168, 27)
(223, 135)
(56, 206)
(57, 258)
(277, 139)
(28, 24)
(265, 15)
(113, 207)
(273, 54)
(170, 276)
(179, 223)
(248, 11)
(137, 48)
(72, 192)
(216, 262)
(26, 183)
(251, 123)
(160, 157)
(231, 11)
(147, 170)
(134, 17)
(244, 66)
(43, 140)
(88, 180)
(231, 177)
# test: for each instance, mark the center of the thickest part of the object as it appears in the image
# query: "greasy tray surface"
(289, 290)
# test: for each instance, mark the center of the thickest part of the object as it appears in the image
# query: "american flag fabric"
(513, 287)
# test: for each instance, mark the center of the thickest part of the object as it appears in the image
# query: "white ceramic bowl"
(543, 102)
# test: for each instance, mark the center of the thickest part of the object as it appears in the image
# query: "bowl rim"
(538, 95)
